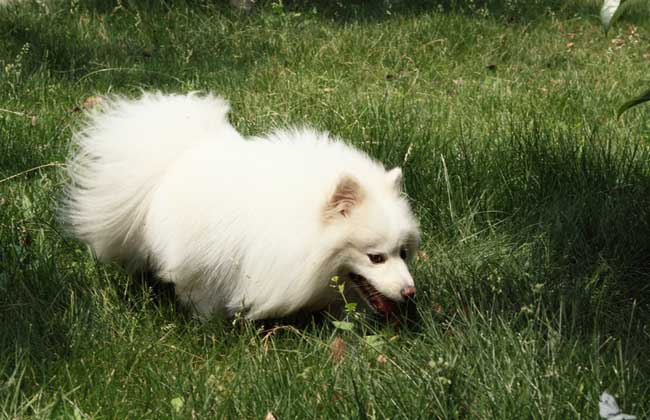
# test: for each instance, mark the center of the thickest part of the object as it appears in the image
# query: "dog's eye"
(376, 258)
(403, 253)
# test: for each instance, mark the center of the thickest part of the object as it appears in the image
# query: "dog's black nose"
(408, 292)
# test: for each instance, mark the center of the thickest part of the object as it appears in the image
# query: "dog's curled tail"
(119, 158)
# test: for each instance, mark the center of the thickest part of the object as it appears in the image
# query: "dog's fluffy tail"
(120, 157)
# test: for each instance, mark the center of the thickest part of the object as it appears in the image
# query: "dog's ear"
(394, 177)
(347, 195)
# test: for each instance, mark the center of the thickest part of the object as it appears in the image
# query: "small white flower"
(609, 408)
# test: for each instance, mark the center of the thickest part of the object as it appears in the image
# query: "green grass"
(534, 200)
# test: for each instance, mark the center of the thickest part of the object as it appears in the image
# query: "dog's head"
(379, 237)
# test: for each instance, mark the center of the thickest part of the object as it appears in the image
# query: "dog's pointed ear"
(394, 177)
(347, 195)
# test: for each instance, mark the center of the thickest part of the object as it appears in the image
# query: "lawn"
(534, 201)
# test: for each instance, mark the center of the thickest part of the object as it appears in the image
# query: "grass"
(534, 200)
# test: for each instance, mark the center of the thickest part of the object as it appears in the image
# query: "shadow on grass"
(100, 48)
(560, 221)
(33, 309)
(369, 10)
(372, 11)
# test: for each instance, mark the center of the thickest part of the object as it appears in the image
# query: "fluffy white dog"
(253, 226)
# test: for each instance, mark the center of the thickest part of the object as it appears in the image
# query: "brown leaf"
(422, 255)
(570, 45)
(619, 42)
(270, 416)
(337, 349)
(92, 101)
(24, 237)
(382, 359)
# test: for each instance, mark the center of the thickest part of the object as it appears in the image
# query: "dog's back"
(120, 156)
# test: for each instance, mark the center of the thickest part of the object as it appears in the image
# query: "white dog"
(253, 226)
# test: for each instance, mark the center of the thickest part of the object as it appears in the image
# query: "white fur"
(238, 225)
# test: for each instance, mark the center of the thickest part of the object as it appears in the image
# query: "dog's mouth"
(372, 296)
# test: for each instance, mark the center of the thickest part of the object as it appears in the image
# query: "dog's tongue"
(383, 304)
